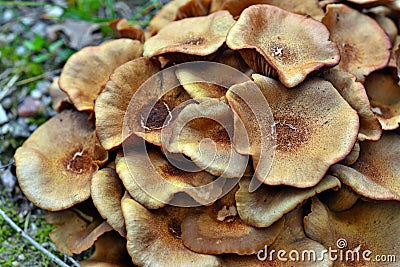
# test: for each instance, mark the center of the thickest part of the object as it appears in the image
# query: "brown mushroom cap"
(59, 98)
(87, 71)
(352, 157)
(340, 200)
(291, 238)
(111, 104)
(55, 164)
(363, 45)
(218, 229)
(291, 44)
(268, 204)
(154, 238)
(152, 181)
(77, 229)
(253, 119)
(305, 7)
(315, 128)
(366, 226)
(376, 173)
(166, 14)
(122, 29)
(106, 255)
(354, 93)
(151, 106)
(208, 82)
(198, 36)
(384, 94)
(203, 132)
(193, 8)
(107, 191)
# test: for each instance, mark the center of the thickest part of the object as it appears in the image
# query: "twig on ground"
(38, 77)
(9, 164)
(51, 256)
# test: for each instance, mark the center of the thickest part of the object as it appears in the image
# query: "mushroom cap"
(77, 229)
(111, 104)
(59, 98)
(107, 191)
(203, 131)
(154, 237)
(315, 128)
(305, 7)
(354, 93)
(87, 71)
(109, 256)
(198, 36)
(352, 157)
(384, 94)
(388, 25)
(149, 109)
(293, 45)
(291, 238)
(55, 164)
(194, 8)
(253, 119)
(153, 181)
(268, 204)
(376, 173)
(165, 15)
(340, 200)
(372, 226)
(218, 229)
(363, 45)
(122, 29)
(212, 81)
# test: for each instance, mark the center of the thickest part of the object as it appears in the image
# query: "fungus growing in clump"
(156, 163)
(56, 163)
(274, 41)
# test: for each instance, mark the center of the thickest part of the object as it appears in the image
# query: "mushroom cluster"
(316, 162)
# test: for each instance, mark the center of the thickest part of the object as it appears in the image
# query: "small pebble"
(20, 50)
(15, 263)
(29, 107)
(8, 180)
(7, 103)
(28, 20)
(3, 115)
(36, 94)
(7, 15)
(21, 257)
(54, 11)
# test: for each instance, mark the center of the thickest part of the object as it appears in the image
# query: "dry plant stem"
(7, 165)
(32, 241)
